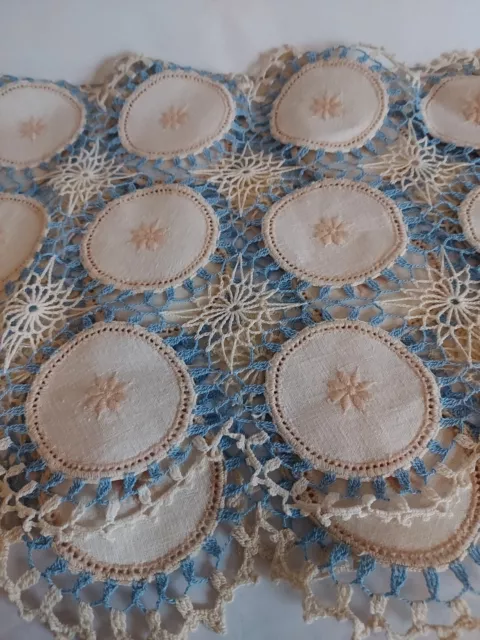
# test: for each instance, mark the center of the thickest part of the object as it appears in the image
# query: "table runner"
(241, 318)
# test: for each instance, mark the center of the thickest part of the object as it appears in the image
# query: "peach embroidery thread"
(331, 231)
(106, 394)
(174, 118)
(327, 107)
(32, 128)
(349, 390)
(148, 237)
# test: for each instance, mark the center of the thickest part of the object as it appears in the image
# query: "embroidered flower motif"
(32, 128)
(472, 109)
(331, 231)
(416, 164)
(349, 390)
(106, 394)
(174, 118)
(34, 313)
(328, 106)
(85, 176)
(148, 237)
(244, 178)
(447, 303)
(235, 313)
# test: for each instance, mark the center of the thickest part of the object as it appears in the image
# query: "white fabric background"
(69, 39)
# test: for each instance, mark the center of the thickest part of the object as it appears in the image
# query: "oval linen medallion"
(156, 544)
(111, 401)
(337, 106)
(23, 223)
(434, 542)
(452, 111)
(335, 232)
(352, 400)
(174, 114)
(37, 121)
(151, 239)
(469, 215)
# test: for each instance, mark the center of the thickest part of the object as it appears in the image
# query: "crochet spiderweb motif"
(242, 322)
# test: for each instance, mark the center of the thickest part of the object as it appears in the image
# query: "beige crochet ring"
(174, 114)
(452, 111)
(152, 239)
(23, 223)
(469, 215)
(37, 121)
(335, 232)
(151, 545)
(111, 401)
(432, 542)
(352, 400)
(336, 105)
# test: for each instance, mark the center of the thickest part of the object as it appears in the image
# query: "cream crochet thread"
(415, 165)
(234, 313)
(149, 501)
(191, 616)
(278, 547)
(447, 302)
(35, 312)
(399, 509)
(85, 177)
(243, 179)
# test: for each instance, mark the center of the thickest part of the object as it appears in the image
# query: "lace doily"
(241, 321)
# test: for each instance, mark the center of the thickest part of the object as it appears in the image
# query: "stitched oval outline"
(82, 560)
(221, 128)
(353, 143)
(377, 467)
(465, 215)
(41, 213)
(65, 95)
(391, 211)
(59, 461)
(439, 556)
(157, 284)
(448, 136)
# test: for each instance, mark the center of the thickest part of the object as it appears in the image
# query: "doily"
(241, 321)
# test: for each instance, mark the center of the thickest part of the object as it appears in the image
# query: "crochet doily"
(241, 322)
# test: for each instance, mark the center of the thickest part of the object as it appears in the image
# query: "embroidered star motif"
(472, 109)
(32, 128)
(326, 107)
(106, 394)
(148, 237)
(347, 389)
(331, 231)
(174, 118)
